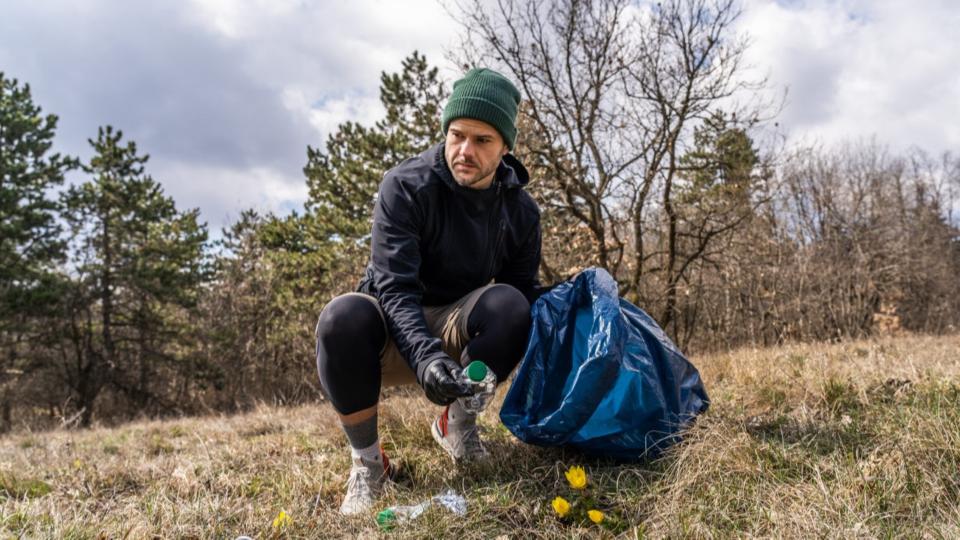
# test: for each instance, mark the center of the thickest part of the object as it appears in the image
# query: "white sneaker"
(461, 441)
(365, 484)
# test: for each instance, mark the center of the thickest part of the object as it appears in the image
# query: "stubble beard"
(469, 181)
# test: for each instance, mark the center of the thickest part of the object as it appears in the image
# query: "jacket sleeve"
(520, 271)
(395, 253)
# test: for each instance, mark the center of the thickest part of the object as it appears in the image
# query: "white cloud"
(365, 110)
(226, 94)
(856, 69)
(222, 192)
(336, 47)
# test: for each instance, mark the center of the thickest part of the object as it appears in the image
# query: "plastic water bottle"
(482, 379)
(451, 500)
(388, 518)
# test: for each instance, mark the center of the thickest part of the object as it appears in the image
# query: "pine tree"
(721, 165)
(344, 180)
(30, 243)
(139, 264)
(716, 195)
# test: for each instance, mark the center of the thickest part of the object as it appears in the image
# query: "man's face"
(473, 150)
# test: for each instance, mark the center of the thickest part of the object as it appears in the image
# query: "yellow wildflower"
(576, 477)
(561, 506)
(281, 521)
(595, 516)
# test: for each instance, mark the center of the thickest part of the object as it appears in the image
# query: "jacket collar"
(510, 172)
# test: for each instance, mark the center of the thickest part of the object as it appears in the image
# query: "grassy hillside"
(859, 439)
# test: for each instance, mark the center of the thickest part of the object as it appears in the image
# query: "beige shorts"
(449, 323)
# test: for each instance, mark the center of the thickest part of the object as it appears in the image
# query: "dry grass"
(852, 440)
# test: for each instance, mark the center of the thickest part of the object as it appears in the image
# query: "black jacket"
(434, 241)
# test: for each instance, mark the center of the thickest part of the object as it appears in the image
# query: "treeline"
(640, 127)
(115, 303)
(641, 144)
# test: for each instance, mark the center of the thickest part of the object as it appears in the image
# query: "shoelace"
(470, 439)
(360, 479)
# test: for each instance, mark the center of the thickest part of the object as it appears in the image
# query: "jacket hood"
(510, 171)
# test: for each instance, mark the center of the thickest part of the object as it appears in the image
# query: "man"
(447, 223)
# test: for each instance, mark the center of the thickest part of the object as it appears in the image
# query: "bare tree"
(614, 92)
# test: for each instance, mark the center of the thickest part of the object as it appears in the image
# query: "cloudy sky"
(225, 95)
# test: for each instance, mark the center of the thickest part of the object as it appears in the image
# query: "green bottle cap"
(386, 519)
(477, 370)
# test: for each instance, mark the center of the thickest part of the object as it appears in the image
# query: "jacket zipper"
(499, 232)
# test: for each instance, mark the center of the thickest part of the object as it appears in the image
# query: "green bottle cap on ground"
(477, 370)
(386, 519)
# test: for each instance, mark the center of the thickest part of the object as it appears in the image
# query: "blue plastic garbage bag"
(600, 375)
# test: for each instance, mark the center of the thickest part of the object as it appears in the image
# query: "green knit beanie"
(485, 95)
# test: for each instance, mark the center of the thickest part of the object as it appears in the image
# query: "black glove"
(439, 381)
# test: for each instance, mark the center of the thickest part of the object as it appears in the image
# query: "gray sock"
(362, 435)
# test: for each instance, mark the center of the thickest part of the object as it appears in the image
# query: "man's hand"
(439, 381)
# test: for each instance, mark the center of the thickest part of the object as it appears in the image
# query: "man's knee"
(351, 317)
(504, 306)
(350, 337)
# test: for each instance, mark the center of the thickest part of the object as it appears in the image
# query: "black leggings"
(351, 333)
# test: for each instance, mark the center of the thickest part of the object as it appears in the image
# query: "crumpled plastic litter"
(453, 501)
(449, 499)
